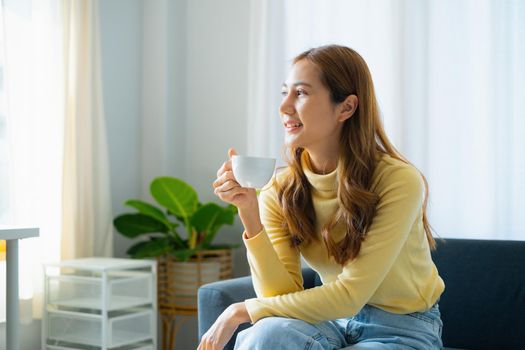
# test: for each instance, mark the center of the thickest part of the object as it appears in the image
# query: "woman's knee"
(269, 326)
(273, 327)
(274, 331)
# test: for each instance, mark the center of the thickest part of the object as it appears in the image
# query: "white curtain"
(265, 74)
(33, 134)
(87, 219)
(53, 156)
(450, 78)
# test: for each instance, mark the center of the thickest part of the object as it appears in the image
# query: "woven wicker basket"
(178, 282)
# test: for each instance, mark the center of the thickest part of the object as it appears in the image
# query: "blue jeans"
(371, 328)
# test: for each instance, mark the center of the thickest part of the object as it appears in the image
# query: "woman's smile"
(293, 129)
(292, 126)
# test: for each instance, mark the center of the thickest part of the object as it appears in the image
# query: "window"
(4, 198)
(31, 118)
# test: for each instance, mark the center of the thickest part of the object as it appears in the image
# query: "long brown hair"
(363, 140)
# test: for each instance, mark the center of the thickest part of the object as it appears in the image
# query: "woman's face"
(309, 117)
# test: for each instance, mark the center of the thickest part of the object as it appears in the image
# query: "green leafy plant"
(179, 200)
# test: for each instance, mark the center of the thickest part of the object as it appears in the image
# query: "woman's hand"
(245, 199)
(222, 330)
(229, 190)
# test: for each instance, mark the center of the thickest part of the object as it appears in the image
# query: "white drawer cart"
(100, 304)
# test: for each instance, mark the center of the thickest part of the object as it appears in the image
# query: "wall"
(121, 48)
(216, 111)
(175, 91)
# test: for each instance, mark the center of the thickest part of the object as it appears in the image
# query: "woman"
(353, 207)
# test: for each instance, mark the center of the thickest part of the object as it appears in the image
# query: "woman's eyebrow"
(298, 83)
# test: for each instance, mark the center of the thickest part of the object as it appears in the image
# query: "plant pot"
(178, 282)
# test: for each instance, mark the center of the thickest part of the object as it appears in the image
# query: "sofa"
(483, 306)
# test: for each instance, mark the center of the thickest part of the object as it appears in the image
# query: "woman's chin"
(292, 142)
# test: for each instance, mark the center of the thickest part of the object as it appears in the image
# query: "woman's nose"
(287, 106)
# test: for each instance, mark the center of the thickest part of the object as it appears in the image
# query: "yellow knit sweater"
(393, 270)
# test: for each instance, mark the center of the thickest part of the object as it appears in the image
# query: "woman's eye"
(299, 92)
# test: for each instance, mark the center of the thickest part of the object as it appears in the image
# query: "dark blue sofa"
(483, 306)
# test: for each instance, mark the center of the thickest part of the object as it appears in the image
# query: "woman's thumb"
(231, 152)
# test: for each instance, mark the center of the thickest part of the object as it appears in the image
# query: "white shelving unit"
(100, 304)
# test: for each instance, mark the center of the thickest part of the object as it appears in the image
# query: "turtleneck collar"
(321, 182)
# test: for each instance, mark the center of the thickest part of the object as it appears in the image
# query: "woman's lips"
(292, 129)
(292, 126)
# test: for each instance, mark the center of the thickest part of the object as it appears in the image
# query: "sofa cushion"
(484, 299)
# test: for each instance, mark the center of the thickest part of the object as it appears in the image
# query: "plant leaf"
(176, 242)
(133, 225)
(180, 218)
(226, 217)
(205, 217)
(151, 211)
(232, 208)
(148, 249)
(183, 254)
(176, 195)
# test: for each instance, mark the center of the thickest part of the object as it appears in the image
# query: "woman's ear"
(348, 107)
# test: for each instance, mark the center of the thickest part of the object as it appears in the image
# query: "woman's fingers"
(226, 166)
(228, 191)
(226, 176)
(227, 187)
(232, 152)
(207, 342)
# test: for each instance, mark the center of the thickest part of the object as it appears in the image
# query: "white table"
(12, 234)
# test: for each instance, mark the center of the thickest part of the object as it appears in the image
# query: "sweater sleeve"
(275, 265)
(399, 205)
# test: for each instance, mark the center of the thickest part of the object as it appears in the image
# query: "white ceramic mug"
(252, 172)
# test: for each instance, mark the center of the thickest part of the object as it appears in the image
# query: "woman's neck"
(322, 164)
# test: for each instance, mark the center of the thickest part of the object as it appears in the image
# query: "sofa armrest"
(214, 298)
